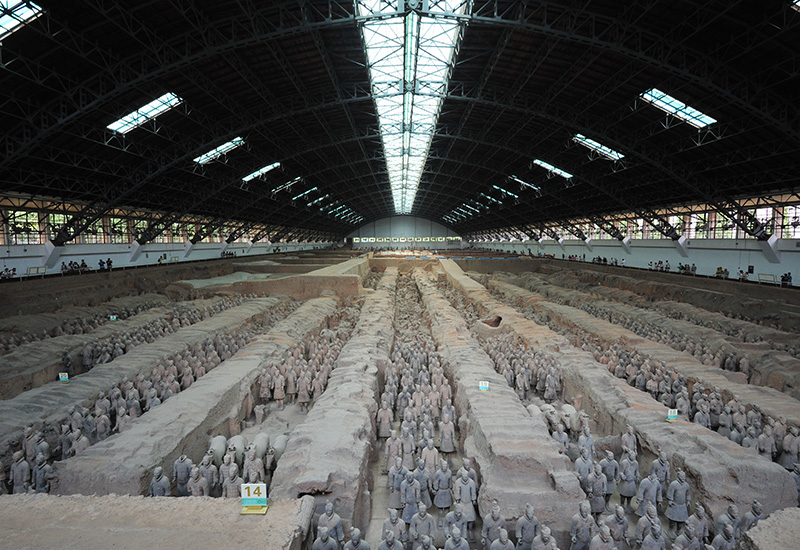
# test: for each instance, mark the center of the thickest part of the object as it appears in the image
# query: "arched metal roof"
(293, 80)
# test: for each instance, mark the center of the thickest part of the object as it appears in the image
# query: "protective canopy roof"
(463, 112)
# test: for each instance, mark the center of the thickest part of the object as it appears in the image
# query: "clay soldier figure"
(725, 539)
(602, 540)
(791, 446)
(455, 520)
(561, 436)
(654, 540)
(647, 523)
(279, 390)
(587, 441)
(41, 446)
(584, 468)
(397, 474)
(583, 528)
(751, 517)
(544, 541)
(324, 541)
(629, 478)
(393, 448)
(42, 474)
(407, 441)
(66, 363)
(597, 490)
(527, 528)
(80, 444)
(502, 542)
(253, 468)
(395, 525)
(678, 500)
(629, 440)
(159, 486)
(65, 440)
(730, 517)
(291, 384)
(430, 457)
(699, 522)
(610, 469)
(332, 522)
(102, 425)
(389, 542)
(618, 525)
(766, 444)
(466, 494)
(355, 541)
(442, 488)
(687, 540)
(493, 522)
(409, 497)
(197, 485)
(447, 435)
(181, 472)
(661, 468)
(303, 397)
(426, 543)
(455, 542)
(384, 421)
(225, 467)
(232, 485)
(467, 467)
(649, 493)
(421, 524)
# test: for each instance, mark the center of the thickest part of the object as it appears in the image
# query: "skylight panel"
(318, 200)
(410, 56)
(14, 15)
(677, 108)
(509, 193)
(597, 147)
(219, 151)
(261, 171)
(485, 196)
(525, 183)
(148, 112)
(304, 193)
(287, 185)
(550, 168)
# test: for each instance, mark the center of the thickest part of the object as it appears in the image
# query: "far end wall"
(413, 229)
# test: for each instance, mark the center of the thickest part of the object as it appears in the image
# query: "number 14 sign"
(254, 498)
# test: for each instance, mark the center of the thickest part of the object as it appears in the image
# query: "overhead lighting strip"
(597, 147)
(145, 113)
(219, 151)
(410, 56)
(677, 108)
(15, 15)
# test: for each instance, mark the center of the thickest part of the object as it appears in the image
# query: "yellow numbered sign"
(254, 498)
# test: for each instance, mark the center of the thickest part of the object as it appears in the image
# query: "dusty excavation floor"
(419, 325)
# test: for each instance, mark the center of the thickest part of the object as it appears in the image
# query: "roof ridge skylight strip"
(428, 46)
